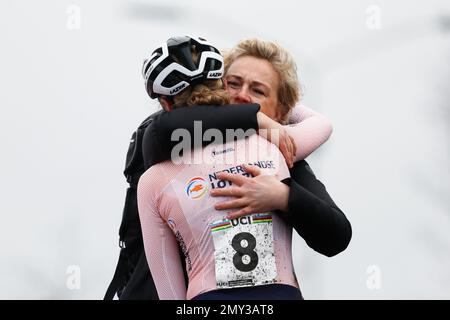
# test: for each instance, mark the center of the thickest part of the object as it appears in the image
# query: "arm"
(313, 213)
(309, 130)
(161, 248)
(157, 144)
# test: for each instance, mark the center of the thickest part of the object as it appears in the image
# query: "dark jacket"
(312, 212)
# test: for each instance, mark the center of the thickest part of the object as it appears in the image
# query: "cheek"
(231, 92)
(269, 107)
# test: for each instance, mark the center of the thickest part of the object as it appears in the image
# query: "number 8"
(241, 251)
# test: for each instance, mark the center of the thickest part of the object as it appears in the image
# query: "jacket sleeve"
(158, 142)
(313, 213)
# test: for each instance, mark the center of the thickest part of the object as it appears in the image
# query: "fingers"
(286, 156)
(253, 170)
(294, 151)
(232, 204)
(286, 151)
(291, 151)
(227, 192)
(243, 212)
(234, 178)
(291, 148)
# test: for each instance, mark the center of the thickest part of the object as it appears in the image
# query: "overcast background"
(71, 94)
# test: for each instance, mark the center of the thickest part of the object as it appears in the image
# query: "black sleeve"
(313, 213)
(157, 144)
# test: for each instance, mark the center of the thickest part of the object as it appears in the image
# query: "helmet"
(171, 67)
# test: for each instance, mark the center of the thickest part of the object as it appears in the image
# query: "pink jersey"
(176, 209)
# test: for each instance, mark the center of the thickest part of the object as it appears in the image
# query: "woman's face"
(254, 80)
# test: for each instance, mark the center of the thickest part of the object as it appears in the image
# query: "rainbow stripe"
(220, 225)
(262, 218)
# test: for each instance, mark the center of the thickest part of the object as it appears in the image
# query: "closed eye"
(259, 91)
(233, 84)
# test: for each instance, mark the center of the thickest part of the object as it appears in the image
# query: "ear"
(166, 104)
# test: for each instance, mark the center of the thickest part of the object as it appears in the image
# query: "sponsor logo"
(245, 220)
(184, 249)
(215, 74)
(181, 242)
(255, 218)
(218, 152)
(181, 86)
(196, 188)
(216, 183)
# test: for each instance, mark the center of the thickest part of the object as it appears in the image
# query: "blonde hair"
(209, 92)
(289, 92)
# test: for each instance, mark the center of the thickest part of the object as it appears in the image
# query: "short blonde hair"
(289, 92)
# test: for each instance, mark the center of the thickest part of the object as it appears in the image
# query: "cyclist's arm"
(161, 248)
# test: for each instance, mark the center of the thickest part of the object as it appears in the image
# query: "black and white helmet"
(171, 67)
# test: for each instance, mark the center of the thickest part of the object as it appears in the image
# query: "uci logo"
(242, 220)
(196, 188)
(181, 86)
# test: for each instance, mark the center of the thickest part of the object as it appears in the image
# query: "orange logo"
(196, 188)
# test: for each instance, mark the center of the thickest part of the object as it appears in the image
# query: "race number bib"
(243, 251)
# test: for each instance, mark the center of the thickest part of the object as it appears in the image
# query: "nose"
(242, 96)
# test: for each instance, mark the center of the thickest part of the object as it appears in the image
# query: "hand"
(280, 137)
(263, 193)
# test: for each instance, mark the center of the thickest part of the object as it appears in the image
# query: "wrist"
(266, 125)
(261, 119)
